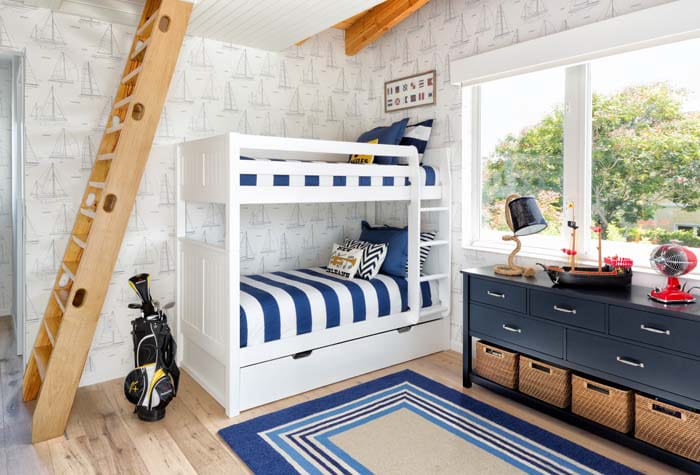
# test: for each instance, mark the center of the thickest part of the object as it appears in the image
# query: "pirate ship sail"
(610, 272)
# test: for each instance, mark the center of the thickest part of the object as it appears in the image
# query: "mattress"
(429, 177)
(280, 305)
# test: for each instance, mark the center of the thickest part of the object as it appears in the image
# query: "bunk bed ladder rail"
(414, 229)
(65, 335)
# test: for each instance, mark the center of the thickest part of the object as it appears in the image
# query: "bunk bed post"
(179, 233)
(414, 229)
(233, 233)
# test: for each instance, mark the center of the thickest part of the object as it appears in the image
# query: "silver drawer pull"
(511, 328)
(496, 294)
(564, 309)
(629, 362)
(655, 330)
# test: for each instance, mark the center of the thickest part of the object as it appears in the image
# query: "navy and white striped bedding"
(280, 305)
(429, 177)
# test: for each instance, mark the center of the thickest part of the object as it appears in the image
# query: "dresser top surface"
(635, 296)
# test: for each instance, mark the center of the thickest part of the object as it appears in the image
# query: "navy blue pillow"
(396, 239)
(391, 135)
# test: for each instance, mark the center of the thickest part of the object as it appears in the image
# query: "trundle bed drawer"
(635, 363)
(654, 329)
(513, 328)
(499, 294)
(568, 310)
(283, 377)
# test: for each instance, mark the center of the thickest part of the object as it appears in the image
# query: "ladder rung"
(434, 243)
(41, 357)
(434, 209)
(71, 268)
(123, 102)
(51, 325)
(97, 184)
(149, 21)
(58, 299)
(140, 49)
(427, 278)
(114, 129)
(80, 240)
(106, 156)
(132, 75)
(90, 213)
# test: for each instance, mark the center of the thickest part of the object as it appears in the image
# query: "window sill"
(551, 256)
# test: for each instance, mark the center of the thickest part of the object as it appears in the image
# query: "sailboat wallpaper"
(310, 90)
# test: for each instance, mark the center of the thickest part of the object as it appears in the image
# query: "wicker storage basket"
(602, 403)
(545, 382)
(667, 426)
(496, 364)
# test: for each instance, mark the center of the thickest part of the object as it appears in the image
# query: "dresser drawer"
(499, 294)
(568, 310)
(653, 368)
(523, 331)
(655, 329)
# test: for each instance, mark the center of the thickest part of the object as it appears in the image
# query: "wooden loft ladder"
(65, 336)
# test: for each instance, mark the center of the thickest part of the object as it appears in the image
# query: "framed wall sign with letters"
(412, 91)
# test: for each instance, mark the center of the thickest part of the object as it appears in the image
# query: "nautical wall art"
(412, 91)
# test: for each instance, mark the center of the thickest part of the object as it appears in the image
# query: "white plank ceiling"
(125, 12)
(270, 24)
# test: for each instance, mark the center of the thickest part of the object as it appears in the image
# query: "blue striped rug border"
(260, 457)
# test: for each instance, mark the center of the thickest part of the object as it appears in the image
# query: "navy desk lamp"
(524, 217)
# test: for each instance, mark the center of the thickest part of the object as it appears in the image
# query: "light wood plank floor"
(104, 436)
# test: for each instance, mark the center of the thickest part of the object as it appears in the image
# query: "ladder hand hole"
(138, 111)
(79, 297)
(164, 23)
(110, 203)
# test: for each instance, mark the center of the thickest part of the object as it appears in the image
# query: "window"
(619, 137)
(522, 134)
(692, 228)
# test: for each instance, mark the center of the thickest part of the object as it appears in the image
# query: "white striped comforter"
(280, 305)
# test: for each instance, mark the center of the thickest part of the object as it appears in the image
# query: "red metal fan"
(673, 261)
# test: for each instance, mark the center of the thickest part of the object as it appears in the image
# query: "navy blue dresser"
(617, 336)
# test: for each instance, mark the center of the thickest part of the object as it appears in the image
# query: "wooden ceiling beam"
(376, 21)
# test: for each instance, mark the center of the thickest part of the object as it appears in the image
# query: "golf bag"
(154, 381)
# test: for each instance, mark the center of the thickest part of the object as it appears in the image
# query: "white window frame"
(574, 50)
(577, 165)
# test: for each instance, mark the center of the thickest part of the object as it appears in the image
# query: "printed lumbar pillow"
(425, 236)
(373, 256)
(418, 136)
(344, 261)
(355, 158)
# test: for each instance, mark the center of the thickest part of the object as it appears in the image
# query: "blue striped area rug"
(405, 423)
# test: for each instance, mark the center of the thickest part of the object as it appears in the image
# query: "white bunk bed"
(211, 171)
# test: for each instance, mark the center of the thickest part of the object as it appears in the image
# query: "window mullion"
(577, 153)
(471, 164)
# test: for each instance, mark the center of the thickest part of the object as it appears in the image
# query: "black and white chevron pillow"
(424, 251)
(373, 256)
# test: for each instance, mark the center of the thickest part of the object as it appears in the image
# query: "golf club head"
(141, 283)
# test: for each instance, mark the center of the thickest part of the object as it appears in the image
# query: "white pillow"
(344, 261)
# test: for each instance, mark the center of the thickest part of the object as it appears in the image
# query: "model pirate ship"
(611, 271)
